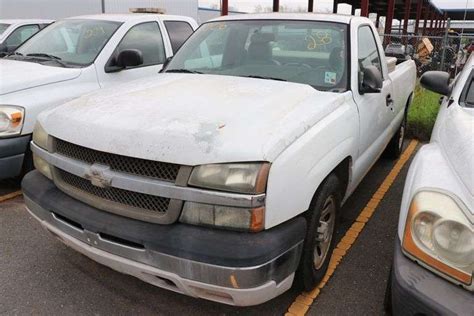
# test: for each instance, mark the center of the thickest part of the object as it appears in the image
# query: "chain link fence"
(445, 52)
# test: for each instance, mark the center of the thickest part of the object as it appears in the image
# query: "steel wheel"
(325, 232)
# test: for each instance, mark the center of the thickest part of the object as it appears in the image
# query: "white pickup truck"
(73, 57)
(223, 177)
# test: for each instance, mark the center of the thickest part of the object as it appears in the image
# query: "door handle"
(389, 101)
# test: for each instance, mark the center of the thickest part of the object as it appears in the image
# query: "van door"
(146, 37)
(375, 109)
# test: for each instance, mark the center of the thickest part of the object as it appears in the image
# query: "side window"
(178, 31)
(368, 53)
(21, 34)
(147, 38)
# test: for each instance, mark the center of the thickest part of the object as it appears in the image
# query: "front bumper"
(224, 266)
(12, 154)
(417, 291)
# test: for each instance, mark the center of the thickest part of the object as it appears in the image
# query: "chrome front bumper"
(239, 285)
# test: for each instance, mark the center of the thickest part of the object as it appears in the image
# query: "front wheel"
(322, 218)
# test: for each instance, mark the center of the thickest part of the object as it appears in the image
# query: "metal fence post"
(445, 43)
(102, 3)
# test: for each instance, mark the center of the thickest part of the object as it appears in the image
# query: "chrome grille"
(140, 201)
(136, 166)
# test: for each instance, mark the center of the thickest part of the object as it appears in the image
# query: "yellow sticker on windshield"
(218, 26)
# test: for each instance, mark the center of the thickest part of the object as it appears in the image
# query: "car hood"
(456, 136)
(20, 75)
(193, 119)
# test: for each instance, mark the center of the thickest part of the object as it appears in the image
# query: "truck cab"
(73, 57)
(223, 177)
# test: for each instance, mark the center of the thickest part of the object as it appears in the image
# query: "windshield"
(308, 52)
(3, 27)
(74, 42)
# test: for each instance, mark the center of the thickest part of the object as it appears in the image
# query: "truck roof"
(129, 17)
(340, 18)
(15, 21)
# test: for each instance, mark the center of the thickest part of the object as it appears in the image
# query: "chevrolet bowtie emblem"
(97, 175)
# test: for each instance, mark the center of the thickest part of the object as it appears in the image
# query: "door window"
(368, 52)
(178, 31)
(21, 34)
(147, 38)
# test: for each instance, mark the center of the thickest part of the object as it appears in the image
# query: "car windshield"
(3, 27)
(73, 42)
(307, 52)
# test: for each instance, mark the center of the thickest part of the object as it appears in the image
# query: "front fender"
(296, 173)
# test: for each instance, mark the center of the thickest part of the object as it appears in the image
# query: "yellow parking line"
(10, 196)
(304, 301)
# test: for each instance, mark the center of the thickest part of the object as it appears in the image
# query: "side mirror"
(129, 58)
(126, 58)
(371, 81)
(436, 81)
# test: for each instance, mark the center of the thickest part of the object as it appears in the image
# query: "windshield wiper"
(44, 55)
(263, 77)
(49, 57)
(186, 71)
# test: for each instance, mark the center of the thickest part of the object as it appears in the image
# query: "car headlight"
(41, 139)
(226, 217)
(439, 234)
(249, 178)
(11, 120)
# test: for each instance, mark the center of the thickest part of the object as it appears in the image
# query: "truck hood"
(193, 119)
(455, 134)
(20, 75)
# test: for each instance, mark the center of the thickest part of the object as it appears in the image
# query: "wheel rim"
(324, 232)
(402, 136)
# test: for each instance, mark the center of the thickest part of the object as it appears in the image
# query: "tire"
(320, 239)
(395, 147)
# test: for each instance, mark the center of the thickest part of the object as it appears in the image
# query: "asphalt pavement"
(41, 276)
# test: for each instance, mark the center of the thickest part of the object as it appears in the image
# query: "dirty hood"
(456, 136)
(193, 119)
(20, 75)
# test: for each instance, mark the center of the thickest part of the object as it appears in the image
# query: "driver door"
(376, 110)
(148, 39)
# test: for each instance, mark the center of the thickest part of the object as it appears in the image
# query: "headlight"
(439, 234)
(40, 137)
(250, 178)
(223, 216)
(11, 120)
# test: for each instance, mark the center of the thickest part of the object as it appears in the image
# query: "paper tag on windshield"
(330, 77)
